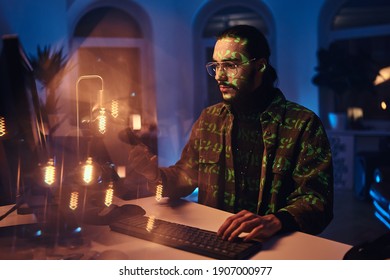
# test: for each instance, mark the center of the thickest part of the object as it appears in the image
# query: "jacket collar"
(275, 111)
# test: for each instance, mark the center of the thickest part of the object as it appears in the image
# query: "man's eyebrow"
(227, 59)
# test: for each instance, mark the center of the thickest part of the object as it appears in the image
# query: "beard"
(229, 93)
(240, 94)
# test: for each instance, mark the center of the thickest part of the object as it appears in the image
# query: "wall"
(36, 22)
(51, 22)
(296, 28)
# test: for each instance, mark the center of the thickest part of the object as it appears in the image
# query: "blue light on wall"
(377, 176)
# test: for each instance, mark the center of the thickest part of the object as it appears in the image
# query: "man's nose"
(220, 74)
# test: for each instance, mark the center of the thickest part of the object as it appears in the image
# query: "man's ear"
(262, 65)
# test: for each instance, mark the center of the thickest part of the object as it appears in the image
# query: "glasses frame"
(211, 67)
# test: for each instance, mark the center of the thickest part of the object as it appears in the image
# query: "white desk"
(299, 246)
(15, 219)
(106, 244)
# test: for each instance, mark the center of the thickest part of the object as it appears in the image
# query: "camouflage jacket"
(296, 166)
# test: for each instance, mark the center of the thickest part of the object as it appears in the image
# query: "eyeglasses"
(229, 67)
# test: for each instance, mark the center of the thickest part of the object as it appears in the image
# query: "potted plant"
(345, 75)
(49, 68)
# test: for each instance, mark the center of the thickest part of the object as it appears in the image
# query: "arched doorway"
(111, 50)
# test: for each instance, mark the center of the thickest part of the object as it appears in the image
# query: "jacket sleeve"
(181, 179)
(311, 201)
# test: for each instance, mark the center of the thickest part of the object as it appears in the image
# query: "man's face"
(238, 82)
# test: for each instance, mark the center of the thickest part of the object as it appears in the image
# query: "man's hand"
(246, 222)
(140, 159)
(143, 162)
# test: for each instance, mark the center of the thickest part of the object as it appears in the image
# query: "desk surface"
(292, 246)
(106, 244)
(14, 219)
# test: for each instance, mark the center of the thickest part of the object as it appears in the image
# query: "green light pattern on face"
(233, 55)
(244, 57)
(225, 55)
(234, 49)
(236, 40)
(226, 39)
(236, 80)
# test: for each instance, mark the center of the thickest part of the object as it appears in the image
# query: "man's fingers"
(244, 226)
(256, 232)
(235, 225)
(246, 222)
(228, 223)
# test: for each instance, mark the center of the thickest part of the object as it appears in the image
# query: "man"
(255, 154)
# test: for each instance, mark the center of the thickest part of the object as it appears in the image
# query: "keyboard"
(187, 238)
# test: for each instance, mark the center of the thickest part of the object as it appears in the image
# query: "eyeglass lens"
(228, 66)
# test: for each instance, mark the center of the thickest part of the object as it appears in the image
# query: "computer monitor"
(22, 141)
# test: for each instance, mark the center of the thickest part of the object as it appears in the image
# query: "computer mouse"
(129, 210)
(108, 215)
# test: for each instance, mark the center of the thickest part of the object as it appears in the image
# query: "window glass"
(359, 13)
(110, 44)
(360, 28)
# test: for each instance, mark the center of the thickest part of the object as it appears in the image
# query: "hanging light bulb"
(88, 170)
(3, 128)
(74, 200)
(383, 76)
(115, 108)
(89, 173)
(383, 105)
(109, 194)
(159, 190)
(50, 172)
(150, 223)
(102, 120)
